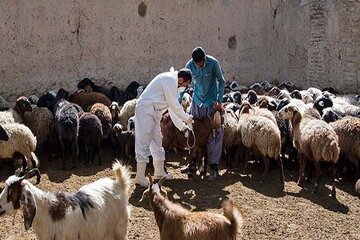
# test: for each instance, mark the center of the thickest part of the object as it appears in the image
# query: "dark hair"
(198, 54)
(185, 74)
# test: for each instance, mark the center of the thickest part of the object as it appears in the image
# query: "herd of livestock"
(315, 129)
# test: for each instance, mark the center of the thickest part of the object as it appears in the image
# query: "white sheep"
(177, 223)
(15, 115)
(99, 210)
(314, 139)
(122, 115)
(261, 134)
(21, 140)
(348, 131)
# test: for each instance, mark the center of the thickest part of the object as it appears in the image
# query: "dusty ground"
(271, 212)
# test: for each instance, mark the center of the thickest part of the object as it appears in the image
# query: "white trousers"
(148, 136)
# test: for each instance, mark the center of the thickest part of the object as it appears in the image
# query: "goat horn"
(161, 181)
(146, 192)
(27, 175)
(150, 179)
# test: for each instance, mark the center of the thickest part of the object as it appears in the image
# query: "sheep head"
(115, 110)
(288, 112)
(245, 107)
(23, 105)
(16, 195)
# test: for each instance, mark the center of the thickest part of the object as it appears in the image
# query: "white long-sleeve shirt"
(162, 94)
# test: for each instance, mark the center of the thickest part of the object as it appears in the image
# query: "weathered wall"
(49, 44)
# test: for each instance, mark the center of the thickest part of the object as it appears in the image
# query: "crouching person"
(158, 96)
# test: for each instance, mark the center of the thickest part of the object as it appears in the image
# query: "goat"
(98, 210)
(177, 223)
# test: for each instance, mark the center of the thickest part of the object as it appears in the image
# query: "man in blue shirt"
(209, 86)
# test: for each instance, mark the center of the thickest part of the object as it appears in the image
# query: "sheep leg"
(302, 169)
(75, 151)
(98, 151)
(318, 173)
(247, 157)
(63, 154)
(279, 161)
(332, 170)
(266, 169)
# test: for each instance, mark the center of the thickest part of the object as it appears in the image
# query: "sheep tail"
(123, 175)
(335, 151)
(234, 215)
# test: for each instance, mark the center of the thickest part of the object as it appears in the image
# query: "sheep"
(348, 132)
(126, 142)
(86, 100)
(127, 111)
(357, 187)
(20, 140)
(178, 223)
(99, 210)
(314, 139)
(15, 115)
(104, 114)
(47, 100)
(261, 134)
(230, 140)
(90, 135)
(66, 125)
(133, 89)
(41, 122)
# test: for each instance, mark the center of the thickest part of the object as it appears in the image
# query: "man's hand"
(190, 121)
(217, 106)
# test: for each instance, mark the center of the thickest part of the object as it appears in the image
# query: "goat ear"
(28, 205)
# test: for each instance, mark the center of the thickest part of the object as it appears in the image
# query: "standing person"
(209, 86)
(158, 96)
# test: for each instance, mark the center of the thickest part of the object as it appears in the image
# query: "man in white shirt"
(158, 96)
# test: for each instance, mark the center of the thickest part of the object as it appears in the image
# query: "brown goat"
(178, 223)
(173, 137)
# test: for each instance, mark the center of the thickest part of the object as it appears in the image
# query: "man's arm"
(221, 80)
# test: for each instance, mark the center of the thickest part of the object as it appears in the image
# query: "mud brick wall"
(45, 45)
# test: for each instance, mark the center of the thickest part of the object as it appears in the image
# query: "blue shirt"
(208, 81)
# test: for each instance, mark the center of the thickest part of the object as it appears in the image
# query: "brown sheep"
(178, 223)
(86, 99)
(104, 114)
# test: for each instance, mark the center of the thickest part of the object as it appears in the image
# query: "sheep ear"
(28, 204)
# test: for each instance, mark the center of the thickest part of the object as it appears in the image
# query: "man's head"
(198, 55)
(184, 77)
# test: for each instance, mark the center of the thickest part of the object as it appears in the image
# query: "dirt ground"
(271, 211)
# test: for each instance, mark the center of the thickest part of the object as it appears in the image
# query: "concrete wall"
(50, 44)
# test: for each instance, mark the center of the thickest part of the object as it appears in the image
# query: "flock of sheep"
(261, 121)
